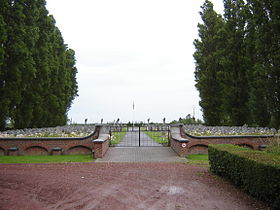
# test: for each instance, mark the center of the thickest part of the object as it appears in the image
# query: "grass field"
(117, 137)
(160, 137)
(46, 159)
(199, 159)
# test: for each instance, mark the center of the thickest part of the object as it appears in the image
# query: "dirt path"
(117, 186)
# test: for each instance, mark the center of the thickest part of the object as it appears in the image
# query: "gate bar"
(139, 137)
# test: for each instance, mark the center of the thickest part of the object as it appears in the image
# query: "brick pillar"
(100, 147)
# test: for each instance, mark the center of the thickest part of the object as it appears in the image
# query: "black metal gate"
(139, 136)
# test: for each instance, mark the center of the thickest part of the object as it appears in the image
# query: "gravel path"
(117, 186)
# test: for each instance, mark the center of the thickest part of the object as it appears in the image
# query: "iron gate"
(139, 136)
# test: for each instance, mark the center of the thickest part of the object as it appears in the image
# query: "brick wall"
(188, 144)
(52, 146)
(181, 143)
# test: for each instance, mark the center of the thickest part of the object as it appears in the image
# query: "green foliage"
(263, 51)
(4, 100)
(235, 82)
(187, 120)
(208, 64)
(237, 63)
(256, 172)
(37, 70)
(46, 159)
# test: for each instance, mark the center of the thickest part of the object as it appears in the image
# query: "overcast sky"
(132, 51)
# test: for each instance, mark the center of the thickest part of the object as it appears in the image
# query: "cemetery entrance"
(139, 136)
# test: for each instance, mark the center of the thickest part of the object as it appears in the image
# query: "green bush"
(256, 172)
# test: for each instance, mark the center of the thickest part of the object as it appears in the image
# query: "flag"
(133, 105)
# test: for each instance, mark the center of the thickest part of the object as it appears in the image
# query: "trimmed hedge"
(256, 172)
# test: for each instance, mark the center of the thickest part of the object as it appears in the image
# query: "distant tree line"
(37, 69)
(188, 120)
(238, 63)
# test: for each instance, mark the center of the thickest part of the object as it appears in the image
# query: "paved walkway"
(141, 154)
(131, 139)
(128, 150)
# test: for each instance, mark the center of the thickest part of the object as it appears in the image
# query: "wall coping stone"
(175, 132)
(99, 140)
(230, 136)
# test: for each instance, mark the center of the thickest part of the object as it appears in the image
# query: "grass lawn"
(117, 137)
(160, 137)
(198, 159)
(46, 159)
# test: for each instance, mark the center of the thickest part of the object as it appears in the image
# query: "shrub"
(256, 172)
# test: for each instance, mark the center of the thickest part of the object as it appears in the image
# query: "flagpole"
(133, 115)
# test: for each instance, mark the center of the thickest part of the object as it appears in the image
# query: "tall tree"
(42, 58)
(16, 55)
(264, 30)
(257, 72)
(38, 73)
(4, 101)
(208, 57)
(23, 112)
(249, 76)
(235, 91)
(272, 58)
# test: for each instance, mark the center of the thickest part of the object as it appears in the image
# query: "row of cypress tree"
(37, 69)
(238, 63)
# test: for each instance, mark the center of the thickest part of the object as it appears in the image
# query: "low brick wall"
(98, 143)
(55, 146)
(184, 144)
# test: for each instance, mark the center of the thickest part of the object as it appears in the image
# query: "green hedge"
(256, 172)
